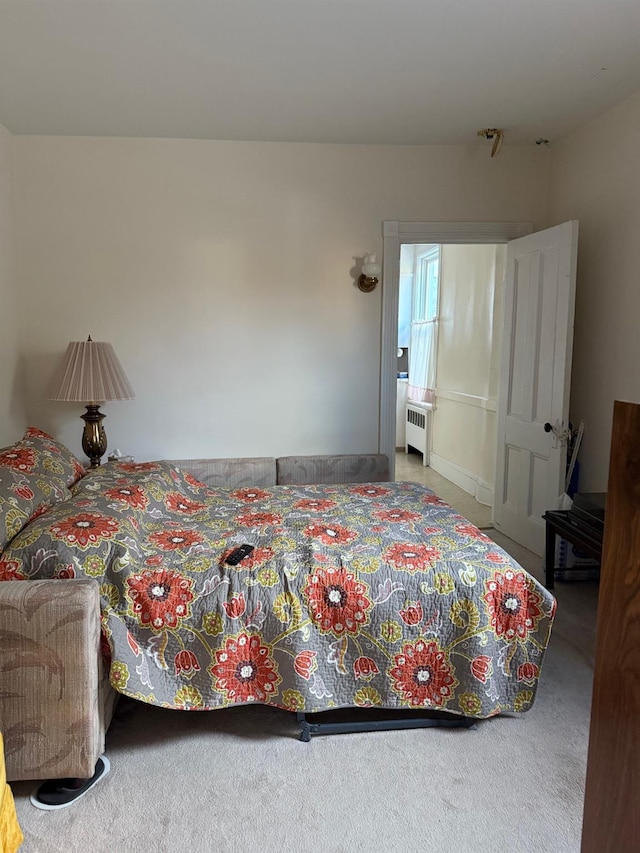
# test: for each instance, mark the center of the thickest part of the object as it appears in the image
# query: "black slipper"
(59, 793)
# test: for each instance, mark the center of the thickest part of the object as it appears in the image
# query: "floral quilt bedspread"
(355, 595)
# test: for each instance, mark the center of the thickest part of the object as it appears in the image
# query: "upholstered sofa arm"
(53, 707)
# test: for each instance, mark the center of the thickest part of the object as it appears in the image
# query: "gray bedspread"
(354, 595)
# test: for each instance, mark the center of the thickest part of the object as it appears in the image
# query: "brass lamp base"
(94, 438)
(367, 283)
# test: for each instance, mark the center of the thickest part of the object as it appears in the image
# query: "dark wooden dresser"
(611, 821)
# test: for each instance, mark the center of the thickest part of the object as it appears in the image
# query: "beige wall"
(223, 274)
(464, 422)
(11, 410)
(596, 179)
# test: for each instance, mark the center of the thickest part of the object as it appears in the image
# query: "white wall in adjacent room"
(469, 337)
(223, 273)
(596, 179)
(11, 387)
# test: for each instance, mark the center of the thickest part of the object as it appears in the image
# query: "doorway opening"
(535, 368)
(449, 322)
(410, 252)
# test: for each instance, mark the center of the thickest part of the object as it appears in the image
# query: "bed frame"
(379, 721)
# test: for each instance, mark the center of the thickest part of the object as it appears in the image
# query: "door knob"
(560, 433)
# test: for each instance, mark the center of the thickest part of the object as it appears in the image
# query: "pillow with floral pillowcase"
(60, 459)
(34, 475)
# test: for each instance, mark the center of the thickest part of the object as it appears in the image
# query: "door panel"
(534, 380)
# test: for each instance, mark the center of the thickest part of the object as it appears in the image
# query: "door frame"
(394, 234)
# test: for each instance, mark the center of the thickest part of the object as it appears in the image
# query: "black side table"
(559, 522)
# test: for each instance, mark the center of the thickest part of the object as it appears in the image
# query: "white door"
(533, 398)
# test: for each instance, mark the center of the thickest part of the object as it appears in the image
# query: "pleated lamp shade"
(90, 373)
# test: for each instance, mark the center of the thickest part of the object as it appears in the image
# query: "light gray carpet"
(239, 781)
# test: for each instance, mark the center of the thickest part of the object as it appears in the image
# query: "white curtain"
(422, 361)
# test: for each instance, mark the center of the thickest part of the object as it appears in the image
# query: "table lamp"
(90, 373)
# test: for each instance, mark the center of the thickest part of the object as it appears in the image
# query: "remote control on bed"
(238, 554)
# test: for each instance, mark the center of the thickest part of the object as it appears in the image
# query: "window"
(425, 292)
(424, 326)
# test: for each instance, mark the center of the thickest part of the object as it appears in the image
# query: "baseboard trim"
(485, 493)
(482, 491)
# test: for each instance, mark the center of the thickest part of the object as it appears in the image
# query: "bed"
(367, 595)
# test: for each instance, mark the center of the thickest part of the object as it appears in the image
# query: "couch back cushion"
(346, 468)
(231, 473)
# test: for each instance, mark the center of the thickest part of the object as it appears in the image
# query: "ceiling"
(352, 71)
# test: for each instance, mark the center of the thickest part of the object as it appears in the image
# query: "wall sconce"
(370, 274)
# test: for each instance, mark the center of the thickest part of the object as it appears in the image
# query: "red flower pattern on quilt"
(78, 470)
(193, 481)
(434, 500)
(412, 557)
(338, 603)
(133, 496)
(330, 534)
(305, 663)
(175, 539)
(176, 502)
(314, 504)
(34, 432)
(10, 571)
(369, 491)
(20, 459)
(236, 607)
(528, 672)
(159, 599)
(396, 515)
(244, 669)
(472, 530)
(23, 491)
(422, 674)
(250, 495)
(495, 557)
(412, 613)
(513, 605)
(65, 572)
(137, 467)
(186, 663)
(135, 648)
(481, 667)
(364, 667)
(84, 529)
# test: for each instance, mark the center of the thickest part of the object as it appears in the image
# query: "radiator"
(418, 430)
